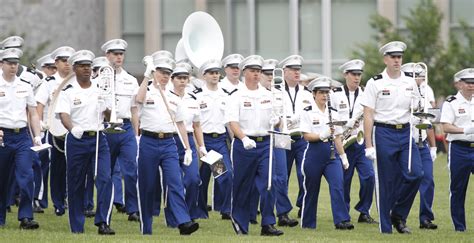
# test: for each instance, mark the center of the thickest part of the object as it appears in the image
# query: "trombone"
(106, 83)
(420, 71)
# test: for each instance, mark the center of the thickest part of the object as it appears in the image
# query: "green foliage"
(421, 35)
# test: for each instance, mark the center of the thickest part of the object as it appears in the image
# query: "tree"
(424, 45)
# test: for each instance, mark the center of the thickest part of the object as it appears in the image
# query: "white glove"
(345, 162)
(248, 143)
(188, 157)
(350, 123)
(433, 153)
(43, 125)
(274, 120)
(469, 130)
(324, 134)
(148, 61)
(77, 132)
(203, 150)
(370, 153)
(37, 140)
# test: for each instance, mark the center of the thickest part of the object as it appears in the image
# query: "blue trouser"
(89, 195)
(317, 163)
(254, 200)
(117, 180)
(37, 176)
(251, 168)
(80, 157)
(16, 155)
(357, 160)
(461, 165)
(427, 185)
(296, 154)
(218, 144)
(45, 162)
(279, 182)
(154, 153)
(191, 181)
(57, 172)
(397, 187)
(124, 147)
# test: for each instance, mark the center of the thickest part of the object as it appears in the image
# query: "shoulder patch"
(192, 96)
(50, 78)
(28, 82)
(308, 108)
(197, 91)
(337, 89)
(450, 98)
(67, 87)
(379, 76)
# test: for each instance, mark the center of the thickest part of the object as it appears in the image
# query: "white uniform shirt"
(459, 112)
(190, 110)
(153, 114)
(390, 98)
(125, 86)
(14, 98)
(252, 109)
(230, 87)
(295, 100)
(82, 105)
(313, 120)
(45, 92)
(212, 105)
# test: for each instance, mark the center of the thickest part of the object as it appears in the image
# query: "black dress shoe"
(188, 228)
(120, 208)
(209, 208)
(365, 218)
(89, 213)
(346, 225)
(284, 220)
(400, 226)
(253, 221)
(37, 208)
(427, 224)
(28, 224)
(299, 213)
(59, 211)
(225, 216)
(237, 229)
(134, 217)
(9, 209)
(104, 229)
(270, 230)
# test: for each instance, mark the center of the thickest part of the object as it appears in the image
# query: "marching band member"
(280, 180)
(16, 105)
(82, 113)
(387, 101)
(123, 146)
(192, 117)
(231, 82)
(212, 102)
(46, 65)
(249, 114)
(44, 98)
(317, 161)
(296, 98)
(457, 118)
(426, 145)
(157, 147)
(346, 100)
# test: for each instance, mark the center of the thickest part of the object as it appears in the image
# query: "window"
(133, 29)
(310, 29)
(272, 15)
(174, 13)
(240, 27)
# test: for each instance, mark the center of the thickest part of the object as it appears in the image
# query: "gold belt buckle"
(91, 133)
(161, 135)
(215, 135)
(472, 145)
(16, 130)
(399, 126)
(259, 139)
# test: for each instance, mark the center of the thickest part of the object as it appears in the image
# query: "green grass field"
(56, 229)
